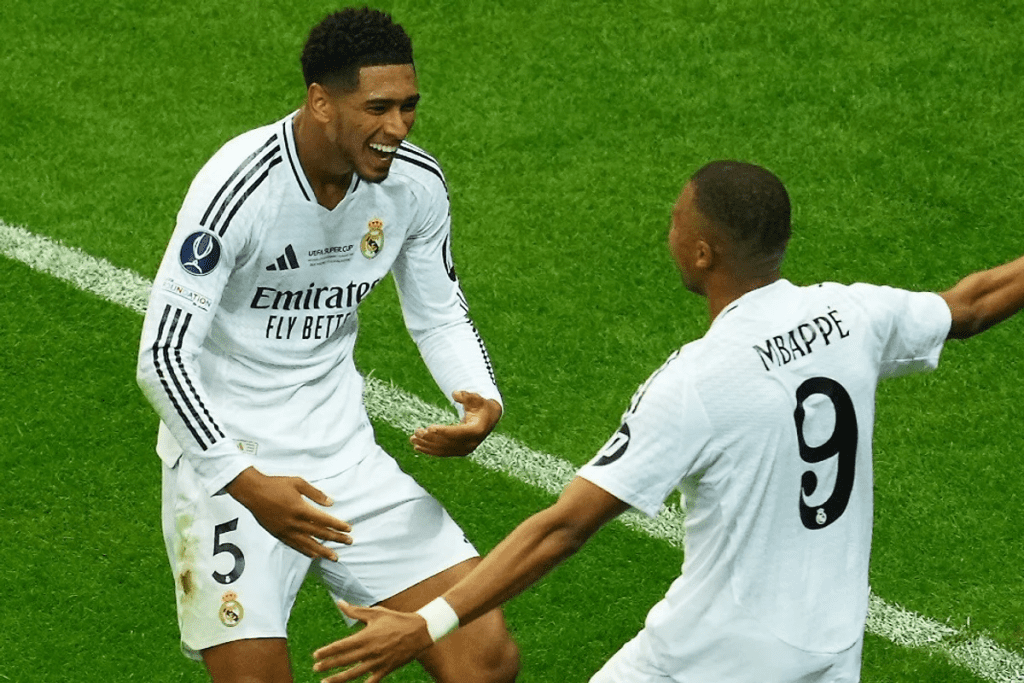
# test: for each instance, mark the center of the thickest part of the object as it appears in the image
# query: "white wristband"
(441, 618)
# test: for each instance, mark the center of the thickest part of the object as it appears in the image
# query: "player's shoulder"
(255, 150)
(857, 290)
(238, 177)
(704, 357)
(417, 168)
(874, 300)
(680, 367)
(802, 300)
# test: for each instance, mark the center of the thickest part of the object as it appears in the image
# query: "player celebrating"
(765, 424)
(246, 355)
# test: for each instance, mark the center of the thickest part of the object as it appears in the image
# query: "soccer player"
(271, 469)
(765, 425)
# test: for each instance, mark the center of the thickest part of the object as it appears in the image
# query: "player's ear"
(320, 103)
(704, 255)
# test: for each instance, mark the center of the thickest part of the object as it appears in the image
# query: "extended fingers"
(337, 654)
(348, 650)
(318, 531)
(309, 547)
(312, 492)
(328, 523)
(303, 535)
(326, 526)
(445, 440)
(362, 660)
(347, 675)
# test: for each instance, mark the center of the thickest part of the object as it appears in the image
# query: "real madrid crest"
(231, 611)
(373, 240)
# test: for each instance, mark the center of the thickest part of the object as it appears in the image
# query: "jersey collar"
(292, 154)
(754, 297)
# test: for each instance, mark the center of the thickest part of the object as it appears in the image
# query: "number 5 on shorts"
(225, 547)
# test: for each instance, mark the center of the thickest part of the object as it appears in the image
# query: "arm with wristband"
(393, 639)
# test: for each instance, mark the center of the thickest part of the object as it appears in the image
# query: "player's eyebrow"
(412, 99)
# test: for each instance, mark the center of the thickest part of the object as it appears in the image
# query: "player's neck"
(329, 185)
(721, 292)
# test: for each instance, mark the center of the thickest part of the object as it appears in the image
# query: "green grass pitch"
(566, 130)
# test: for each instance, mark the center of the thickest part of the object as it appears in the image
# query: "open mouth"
(384, 151)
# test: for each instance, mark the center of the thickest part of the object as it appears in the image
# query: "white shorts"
(234, 581)
(636, 662)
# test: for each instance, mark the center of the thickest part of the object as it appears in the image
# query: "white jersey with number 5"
(765, 425)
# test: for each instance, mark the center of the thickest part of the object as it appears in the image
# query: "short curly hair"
(748, 202)
(348, 40)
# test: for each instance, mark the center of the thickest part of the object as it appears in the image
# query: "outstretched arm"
(985, 298)
(535, 548)
(392, 639)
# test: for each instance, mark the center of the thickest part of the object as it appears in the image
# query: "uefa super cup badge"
(373, 240)
(231, 611)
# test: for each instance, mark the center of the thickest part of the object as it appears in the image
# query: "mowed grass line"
(405, 412)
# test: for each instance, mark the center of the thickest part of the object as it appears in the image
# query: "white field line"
(977, 653)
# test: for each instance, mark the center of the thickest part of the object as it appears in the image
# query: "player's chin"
(375, 172)
(374, 176)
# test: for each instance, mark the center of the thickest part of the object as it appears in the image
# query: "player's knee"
(505, 665)
(498, 663)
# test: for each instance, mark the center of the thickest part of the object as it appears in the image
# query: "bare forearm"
(985, 298)
(533, 549)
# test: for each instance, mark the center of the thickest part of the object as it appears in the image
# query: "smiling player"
(246, 355)
(765, 425)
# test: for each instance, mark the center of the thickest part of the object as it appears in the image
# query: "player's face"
(683, 238)
(374, 119)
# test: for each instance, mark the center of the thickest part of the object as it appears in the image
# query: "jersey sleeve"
(913, 327)
(434, 308)
(661, 441)
(182, 305)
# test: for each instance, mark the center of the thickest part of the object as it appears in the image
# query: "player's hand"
(481, 414)
(281, 507)
(389, 641)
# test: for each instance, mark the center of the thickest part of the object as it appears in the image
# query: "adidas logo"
(286, 261)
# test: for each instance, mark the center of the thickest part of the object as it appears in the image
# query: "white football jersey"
(765, 425)
(246, 349)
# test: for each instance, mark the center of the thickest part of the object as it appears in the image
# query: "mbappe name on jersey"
(799, 341)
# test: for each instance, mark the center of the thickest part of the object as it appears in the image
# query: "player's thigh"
(407, 550)
(263, 660)
(483, 650)
(233, 580)
(402, 536)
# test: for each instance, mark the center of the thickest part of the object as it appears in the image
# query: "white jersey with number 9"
(765, 425)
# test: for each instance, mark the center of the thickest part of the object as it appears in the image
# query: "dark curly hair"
(749, 203)
(348, 40)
